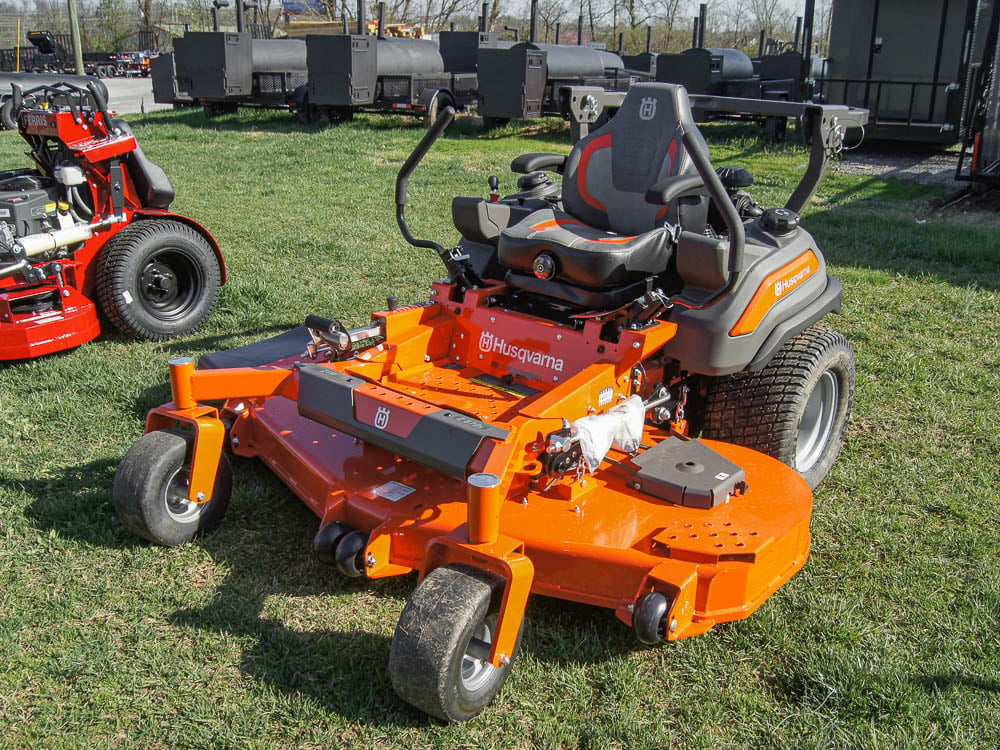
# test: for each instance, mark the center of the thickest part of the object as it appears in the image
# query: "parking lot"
(131, 95)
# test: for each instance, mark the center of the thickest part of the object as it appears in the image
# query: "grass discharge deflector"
(91, 220)
(530, 428)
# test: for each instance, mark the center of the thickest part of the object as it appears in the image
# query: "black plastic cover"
(688, 473)
(264, 352)
(444, 440)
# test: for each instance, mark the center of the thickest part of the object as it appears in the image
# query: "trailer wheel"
(441, 100)
(217, 109)
(796, 408)
(775, 129)
(493, 123)
(150, 490)
(158, 279)
(7, 118)
(439, 655)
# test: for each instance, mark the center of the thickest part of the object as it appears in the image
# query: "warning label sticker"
(393, 491)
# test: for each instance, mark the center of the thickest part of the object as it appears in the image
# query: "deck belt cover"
(443, 440)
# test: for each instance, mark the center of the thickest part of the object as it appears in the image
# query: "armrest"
(528, 163)
(669, 188)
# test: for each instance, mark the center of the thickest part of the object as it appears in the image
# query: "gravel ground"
(910, 162)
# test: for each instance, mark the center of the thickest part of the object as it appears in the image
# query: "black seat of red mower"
(622, 184)
(151, 182)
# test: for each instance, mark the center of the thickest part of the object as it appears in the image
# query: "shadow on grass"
(934, 683)
(861, 234)
(75, 503)
(264, 545)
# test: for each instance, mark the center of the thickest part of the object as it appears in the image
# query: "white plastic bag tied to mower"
(620, 427)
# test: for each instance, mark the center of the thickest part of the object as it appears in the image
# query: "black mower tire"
(7, 118)
(158, 279)
(150, 490)
(430, 664)
(795, 408)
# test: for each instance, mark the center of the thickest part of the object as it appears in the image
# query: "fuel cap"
(780, 220)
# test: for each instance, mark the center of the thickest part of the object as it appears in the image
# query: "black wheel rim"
(170, 285)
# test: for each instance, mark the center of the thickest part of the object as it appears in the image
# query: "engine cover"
(28, 201)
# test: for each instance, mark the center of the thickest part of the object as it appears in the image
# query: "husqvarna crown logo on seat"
(647, 108)
(382, 417)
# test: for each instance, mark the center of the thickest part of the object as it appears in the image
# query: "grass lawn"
(888, 638)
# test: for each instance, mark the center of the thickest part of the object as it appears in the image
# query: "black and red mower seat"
(625, 187)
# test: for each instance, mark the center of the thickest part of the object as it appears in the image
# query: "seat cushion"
(581, 254)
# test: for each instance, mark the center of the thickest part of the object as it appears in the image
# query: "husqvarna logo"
(488, 342)
(647, 108)
(382, 417)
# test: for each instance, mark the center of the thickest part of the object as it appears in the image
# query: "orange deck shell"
(597, 540)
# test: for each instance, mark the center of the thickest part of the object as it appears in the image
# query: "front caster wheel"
(326, 540)
(649, 620)
(151, 486)
(439, 656)
(350, 554)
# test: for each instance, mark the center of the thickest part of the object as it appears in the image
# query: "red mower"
(530, 428)
(91, 220)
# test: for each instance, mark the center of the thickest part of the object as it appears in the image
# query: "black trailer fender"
(427, 95)
(300, 95)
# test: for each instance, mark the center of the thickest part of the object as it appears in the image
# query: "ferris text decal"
(488, 342)
(34, 121)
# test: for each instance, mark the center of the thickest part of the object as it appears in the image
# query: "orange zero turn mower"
(619, 396)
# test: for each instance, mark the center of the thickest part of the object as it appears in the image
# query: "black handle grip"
(433, 133)
(319, 323)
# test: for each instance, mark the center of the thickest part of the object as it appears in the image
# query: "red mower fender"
(147, 213)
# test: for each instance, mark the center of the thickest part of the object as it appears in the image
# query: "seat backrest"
(151, 182)
(608, 173)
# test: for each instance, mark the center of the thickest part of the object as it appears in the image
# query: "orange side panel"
(774, 289)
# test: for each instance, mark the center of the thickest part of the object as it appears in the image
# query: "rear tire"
(150, 490)
(158, 279)
(796, 408)
(438, 659)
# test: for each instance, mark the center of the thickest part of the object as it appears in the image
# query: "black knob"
(780, 220)
(734, 177)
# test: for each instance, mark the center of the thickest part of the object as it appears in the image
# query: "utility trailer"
(724, 72)
(163, 72)
(525, 80)
(360, 72)
(908, 62)
(224, 71)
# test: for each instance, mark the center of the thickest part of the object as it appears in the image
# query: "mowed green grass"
(888, 637)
